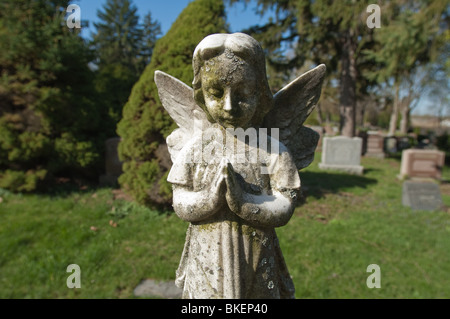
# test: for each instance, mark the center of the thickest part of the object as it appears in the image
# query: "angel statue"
(232, 181)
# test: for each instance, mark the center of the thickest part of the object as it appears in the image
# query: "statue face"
(230, 92)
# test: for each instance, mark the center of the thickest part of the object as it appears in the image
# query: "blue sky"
(166, 12)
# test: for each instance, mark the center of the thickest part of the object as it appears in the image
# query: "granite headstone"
(390, 144)
(421, 195)
(418, 163)
(375, 145)
(342, 154)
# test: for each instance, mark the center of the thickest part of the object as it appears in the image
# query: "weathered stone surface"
(421, 195)
(390, 144)
(343, 154)
(375, 145)
(422, 164)
(232, 199)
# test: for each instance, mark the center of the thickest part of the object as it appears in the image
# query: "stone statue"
(232, 181)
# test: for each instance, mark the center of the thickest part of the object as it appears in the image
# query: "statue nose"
(228, 103)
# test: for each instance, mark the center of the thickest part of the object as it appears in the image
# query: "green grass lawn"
(344, 224)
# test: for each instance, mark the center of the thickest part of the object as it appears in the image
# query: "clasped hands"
(225, 185)
(266, 210)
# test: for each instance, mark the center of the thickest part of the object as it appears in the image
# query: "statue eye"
(216, 92)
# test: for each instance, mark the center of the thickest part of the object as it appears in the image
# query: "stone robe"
(224, 255)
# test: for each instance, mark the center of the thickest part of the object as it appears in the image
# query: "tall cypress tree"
(118, 34)
(145, 123)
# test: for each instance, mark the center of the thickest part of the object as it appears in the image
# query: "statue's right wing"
(178, 100)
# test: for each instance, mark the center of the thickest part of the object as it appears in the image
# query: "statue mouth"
(231, 121)
(231, 118)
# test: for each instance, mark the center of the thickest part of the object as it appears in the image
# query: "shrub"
(145, 124)
(50, 123)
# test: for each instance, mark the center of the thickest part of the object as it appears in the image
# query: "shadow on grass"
(396, 156)
(318, 184)
(67, 187)
(369, 170)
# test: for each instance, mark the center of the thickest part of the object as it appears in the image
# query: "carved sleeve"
(274, 207)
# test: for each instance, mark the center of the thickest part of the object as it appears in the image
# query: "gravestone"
(375, 145)
(343, 154)
(113, 166)
(418, 163)
(390, 145)
(421, 195)
(404, 143)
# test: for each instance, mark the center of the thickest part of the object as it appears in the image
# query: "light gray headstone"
(391, 144)
(342, 153)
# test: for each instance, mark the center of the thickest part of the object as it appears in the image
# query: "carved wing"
(292, 105)
(178, 100)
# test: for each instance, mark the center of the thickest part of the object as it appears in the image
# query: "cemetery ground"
(343, 224)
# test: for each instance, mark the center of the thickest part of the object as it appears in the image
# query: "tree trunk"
(394, 114)
(319, 114)
(347, 98)
(404, 123)
(361, 110)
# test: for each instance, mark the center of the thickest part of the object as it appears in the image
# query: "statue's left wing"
(178, 100)
(292, 105)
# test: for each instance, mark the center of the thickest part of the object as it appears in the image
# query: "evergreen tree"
(151, 31)
(145, 124)
(49, 122)
(118, 34)
(123, 46)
